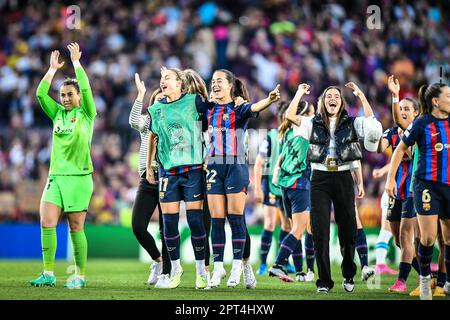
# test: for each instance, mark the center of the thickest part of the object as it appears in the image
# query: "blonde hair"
(195, 84)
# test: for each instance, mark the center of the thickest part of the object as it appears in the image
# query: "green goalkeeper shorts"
(71, 193)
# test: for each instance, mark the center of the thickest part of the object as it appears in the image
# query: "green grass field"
(125, 280)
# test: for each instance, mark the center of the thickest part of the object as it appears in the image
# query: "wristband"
(52, 71)
(395, 99)
(76, 64)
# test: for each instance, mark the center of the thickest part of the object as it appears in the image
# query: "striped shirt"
(141, 123)
(404, 172)
(227, 127)
(433, 138)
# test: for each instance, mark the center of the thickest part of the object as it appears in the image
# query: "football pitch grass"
(126, 280)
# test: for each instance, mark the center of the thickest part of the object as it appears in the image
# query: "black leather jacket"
(347, 142)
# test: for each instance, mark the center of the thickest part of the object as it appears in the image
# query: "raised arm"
(137, 120)
(49, 105)
(263, 104)
(291, 112)
(357, 91)
(87, 99)
(394, 88)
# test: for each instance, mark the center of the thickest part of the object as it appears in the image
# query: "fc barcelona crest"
(225, 117)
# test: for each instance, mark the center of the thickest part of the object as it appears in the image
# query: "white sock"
(176, 266)
(246, 262)
(382, 245)
(49, 273)
(218, 265)
(200, 267)
(237, 264)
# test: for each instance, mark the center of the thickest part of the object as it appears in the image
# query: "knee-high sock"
(79, 244)
(309, 250)
(403, 271)
(283, 235)
(361, 247)
(238, 234)
(171, 235)
(218, 238)
(266, 241)
(425, 256)
(286, 248)
(382, 246)
(48, 241)
(415, 264)
(447, 262)
(198, 234)
(297, 257)
(248, 243)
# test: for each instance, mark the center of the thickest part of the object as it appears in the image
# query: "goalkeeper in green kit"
(69, 186)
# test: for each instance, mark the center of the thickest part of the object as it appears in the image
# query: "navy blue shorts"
(226, 178)
(295, 201)
(431, 198)
(188, 186)
(400, 209)
(269, 198)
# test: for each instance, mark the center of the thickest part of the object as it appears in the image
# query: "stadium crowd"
(263, 43)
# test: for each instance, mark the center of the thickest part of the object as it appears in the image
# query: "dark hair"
(426, 94)
(239, 89)
(71, 82)
(322, 109)
(414, 102)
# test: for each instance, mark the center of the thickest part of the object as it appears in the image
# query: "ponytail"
(426, 95)
(239, 90)
(302, 108)
(422, 102)
(195, 84)
(238, 87)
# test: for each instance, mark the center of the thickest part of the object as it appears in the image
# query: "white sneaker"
(300, 276)
(309, 276)
(235, 277)
(155, 272)
(447, 288)
(249, 277)
(367, 273)
(425, 288)
(348, 285)
(163, 282)
(217, 276)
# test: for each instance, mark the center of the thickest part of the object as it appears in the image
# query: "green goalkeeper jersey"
(72, 130)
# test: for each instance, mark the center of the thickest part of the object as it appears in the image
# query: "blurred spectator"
(262, 42)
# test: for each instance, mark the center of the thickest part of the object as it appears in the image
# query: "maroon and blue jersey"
(404, 172)
(227, 125)
(432, 136)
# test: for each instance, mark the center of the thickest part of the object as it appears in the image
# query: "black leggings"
(147, 198)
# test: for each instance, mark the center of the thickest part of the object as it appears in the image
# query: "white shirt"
(305, 130)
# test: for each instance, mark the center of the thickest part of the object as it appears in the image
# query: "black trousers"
(147, 198)
(337, 188)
